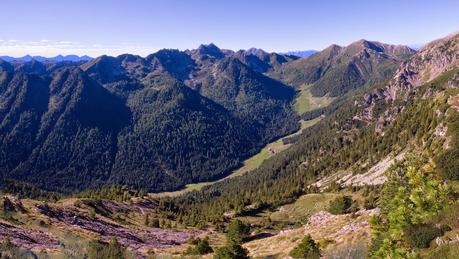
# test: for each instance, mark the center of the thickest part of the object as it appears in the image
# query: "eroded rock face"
(434, 59)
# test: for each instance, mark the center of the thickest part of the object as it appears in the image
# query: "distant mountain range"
(58, 58)
(301, 53)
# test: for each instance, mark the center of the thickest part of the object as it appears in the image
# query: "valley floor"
(249, 164)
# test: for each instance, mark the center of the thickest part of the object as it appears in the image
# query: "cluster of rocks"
(133, 237)
(446, 240)
(29, 239)
(353, 227)
(374, 176)
(286, 230)
(371, 212)
(441, 131)
(319, 218)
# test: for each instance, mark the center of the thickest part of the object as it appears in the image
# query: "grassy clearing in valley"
(308, 204)
(306, 102)
(305, 206)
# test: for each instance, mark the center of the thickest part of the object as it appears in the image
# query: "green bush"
(199, 246)
(342, 205)
(307, 249)
(113, 250)
(448, 163)
(231, 251)
(421, 235)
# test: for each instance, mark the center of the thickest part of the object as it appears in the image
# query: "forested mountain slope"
(159, 122)
(155, 123)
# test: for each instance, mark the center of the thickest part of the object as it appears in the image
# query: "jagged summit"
(210, 50)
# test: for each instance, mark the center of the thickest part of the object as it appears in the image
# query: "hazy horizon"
(49, 28)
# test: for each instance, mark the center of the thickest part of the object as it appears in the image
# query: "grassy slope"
(306, 102)
(332, 230)
(305, 206)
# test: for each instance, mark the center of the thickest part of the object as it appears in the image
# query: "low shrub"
(199, 246)
(421, 235)
(342, 205)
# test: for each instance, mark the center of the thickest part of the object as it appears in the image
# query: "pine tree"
(307, 249)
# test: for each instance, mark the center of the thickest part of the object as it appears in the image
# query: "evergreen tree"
(236, 234)
(412, 197)
(307, 249)
(199, 246)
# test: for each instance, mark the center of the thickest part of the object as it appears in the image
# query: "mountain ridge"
(58, 58)
(337, 70)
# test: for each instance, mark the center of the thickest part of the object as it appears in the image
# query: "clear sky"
(95, 27)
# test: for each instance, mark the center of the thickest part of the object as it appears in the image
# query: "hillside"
(337, 70)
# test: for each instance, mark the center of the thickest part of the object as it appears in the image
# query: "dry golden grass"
(333, 230)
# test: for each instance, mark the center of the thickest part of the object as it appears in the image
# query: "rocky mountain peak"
(331, 51)
(436, 58)
(210, 50)
(256, 52)
(397, 52)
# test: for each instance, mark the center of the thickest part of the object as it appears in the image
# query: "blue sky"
(95, 27)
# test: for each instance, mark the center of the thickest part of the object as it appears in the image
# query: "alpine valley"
(348, 152)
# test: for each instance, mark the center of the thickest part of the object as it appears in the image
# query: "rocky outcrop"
(433, 60)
